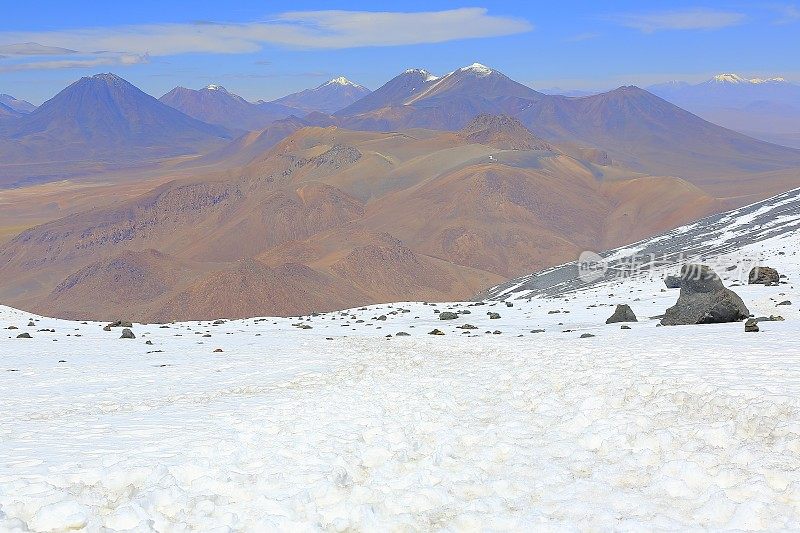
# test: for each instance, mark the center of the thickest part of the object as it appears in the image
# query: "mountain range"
(430, 187)
(634, 126)
(765, 108)
(341, 218)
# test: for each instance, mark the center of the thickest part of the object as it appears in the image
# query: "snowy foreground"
(338, 427)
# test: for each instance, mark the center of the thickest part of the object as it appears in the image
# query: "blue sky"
(263, 50)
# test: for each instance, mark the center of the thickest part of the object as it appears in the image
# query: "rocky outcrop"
(623, 313)
(704, 300)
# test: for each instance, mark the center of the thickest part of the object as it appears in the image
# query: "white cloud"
(788, 14)
(113, 60)
(33, 49)
(687, 19)
(301, 29)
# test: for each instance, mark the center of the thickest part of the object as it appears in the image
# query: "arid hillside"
(330, 218)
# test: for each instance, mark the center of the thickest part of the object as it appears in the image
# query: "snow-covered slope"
(335, 422)
(733, 237)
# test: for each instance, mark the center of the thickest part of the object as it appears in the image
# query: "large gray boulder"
(704, 300)
(623, 313)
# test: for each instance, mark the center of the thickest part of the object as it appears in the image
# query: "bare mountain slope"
(707, 239)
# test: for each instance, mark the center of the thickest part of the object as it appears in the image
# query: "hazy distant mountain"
(101, 119)
(215, 105)
(729, 90)
(329, 97)
(767, 108)
(569, 92)
(20, 106)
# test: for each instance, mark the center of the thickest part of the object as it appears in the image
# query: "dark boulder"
(127, 334)
(751, 325)
(764, 275)
(623, 313)
(673, 282)
(447, 315)
(704, 300)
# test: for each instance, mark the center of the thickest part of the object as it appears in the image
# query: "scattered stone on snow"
(623, 313)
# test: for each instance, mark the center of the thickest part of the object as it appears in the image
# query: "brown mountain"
(215, 105)
(330, 218)
(98, 121)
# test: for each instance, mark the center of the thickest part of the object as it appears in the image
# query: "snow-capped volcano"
(341, 80)
(331, 96)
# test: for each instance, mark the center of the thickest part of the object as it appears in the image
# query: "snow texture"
(339, 427)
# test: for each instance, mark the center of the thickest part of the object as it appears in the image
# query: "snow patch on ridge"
(341, 80)
(477, 68)
(427, 75)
